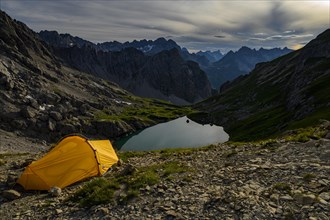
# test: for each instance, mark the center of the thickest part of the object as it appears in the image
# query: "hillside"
(289, 92)
(40, 97)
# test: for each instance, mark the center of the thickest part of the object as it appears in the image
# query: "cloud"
(193, 24)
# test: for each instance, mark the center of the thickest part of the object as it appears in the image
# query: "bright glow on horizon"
(297, 47)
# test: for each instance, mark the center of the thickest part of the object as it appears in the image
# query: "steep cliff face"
(288, 92)
(176, 77)
(165, 75)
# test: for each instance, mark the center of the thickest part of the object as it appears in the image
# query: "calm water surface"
(173, 134)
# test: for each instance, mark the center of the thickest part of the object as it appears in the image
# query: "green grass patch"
(97, 191)
(122, 188)
(145, 110)
(125, 155)
(305, 134)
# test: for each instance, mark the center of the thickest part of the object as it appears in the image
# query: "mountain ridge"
(134, 70)
(285, 93)
(241, 62)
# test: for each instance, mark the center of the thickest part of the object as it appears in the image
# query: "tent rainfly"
(74, 158)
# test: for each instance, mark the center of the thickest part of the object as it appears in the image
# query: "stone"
(58, 211)
(103, 210)
(11, 194)
(51, 125)
(325, 196)
(327, 136)
(171, 213)
(308, 199)
(55, 115)
(274, 197)
(28, 112)
(322, 201)
(286, 198)
(55, 191)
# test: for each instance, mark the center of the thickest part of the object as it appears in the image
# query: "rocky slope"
(274, 179)
(41, 97)
(289, 92)
(164, 74)
(241, 62)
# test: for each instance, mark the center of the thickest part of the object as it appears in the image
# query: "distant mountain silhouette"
(212, 56)
(148, 47)
(234, 64)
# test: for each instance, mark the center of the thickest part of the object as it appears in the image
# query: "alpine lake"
(179, 133)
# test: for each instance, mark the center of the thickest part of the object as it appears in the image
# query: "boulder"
(55, 115)
(28, 112)
(55, 191)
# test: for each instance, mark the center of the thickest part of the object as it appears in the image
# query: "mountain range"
(241, 62)
(219, 68)
(289, 92)
(153, 69)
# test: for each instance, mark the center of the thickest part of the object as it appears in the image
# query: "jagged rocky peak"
(245, 49)
(55, 39)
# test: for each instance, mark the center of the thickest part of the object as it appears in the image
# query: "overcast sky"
(196, 25)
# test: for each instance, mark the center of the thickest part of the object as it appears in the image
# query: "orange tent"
(74, 158)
